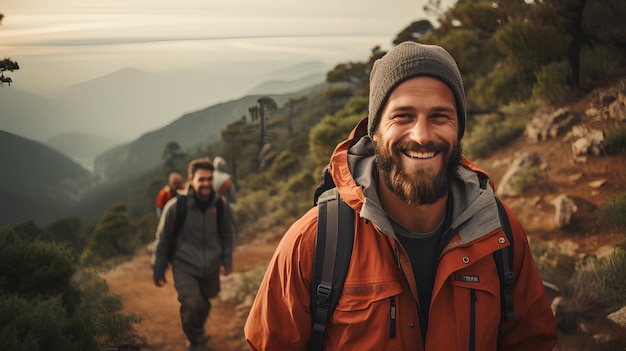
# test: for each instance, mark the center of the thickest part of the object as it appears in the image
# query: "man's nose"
(421, 131)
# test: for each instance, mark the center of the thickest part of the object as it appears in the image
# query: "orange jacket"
(165, 194)
(380, 276)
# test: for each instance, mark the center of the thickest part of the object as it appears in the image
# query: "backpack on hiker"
(333, 250)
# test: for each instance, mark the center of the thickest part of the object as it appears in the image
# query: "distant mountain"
(191, 130)
(128, 103)
(287, 86)
(30, 115)
(38, 183)
(298, 71)
(125, 104)
(82, 148)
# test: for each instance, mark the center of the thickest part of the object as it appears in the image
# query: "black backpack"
(333, 253)
(181, 214)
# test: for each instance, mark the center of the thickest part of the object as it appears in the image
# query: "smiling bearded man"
(426, 224)
(419, 186)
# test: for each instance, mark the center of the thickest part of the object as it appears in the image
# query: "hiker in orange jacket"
(175, 184)
(422, 275)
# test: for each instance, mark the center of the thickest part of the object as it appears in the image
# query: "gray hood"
(474, 210)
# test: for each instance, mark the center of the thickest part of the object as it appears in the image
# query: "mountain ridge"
(190, 130)
(39, 183)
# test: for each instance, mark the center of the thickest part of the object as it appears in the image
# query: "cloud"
(78, 39)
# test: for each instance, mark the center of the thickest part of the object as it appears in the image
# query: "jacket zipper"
(472, 336)
(392, 319)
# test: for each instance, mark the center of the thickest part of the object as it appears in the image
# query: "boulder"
(564, 209)
(520, 164)
(617, 109)
(543, 127)
(619, 317)
(590, 143)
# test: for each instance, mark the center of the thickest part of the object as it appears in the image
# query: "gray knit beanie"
(408, 60)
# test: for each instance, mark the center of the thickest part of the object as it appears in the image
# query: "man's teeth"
(420, 154)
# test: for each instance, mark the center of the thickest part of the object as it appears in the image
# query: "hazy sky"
(62, 42)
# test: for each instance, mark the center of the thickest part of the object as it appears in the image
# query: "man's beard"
(420, 187)
(202, 197)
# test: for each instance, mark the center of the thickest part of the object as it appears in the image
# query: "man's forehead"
(202, 173)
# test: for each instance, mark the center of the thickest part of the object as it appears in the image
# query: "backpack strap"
(225, 187)
(219, 207)
(333, 250)
(504, 264)
(181, 214)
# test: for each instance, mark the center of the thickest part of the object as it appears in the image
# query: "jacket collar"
(353, 170)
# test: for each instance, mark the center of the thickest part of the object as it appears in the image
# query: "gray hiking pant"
(194, 294)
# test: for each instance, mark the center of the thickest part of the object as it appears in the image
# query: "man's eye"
(403, 115)
(441, 117)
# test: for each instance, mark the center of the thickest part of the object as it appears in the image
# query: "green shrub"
(501, 86)
(554, 266)
(43, 305)
(604, 280)
(298, 196)
(615, 140)
(552, 82)
(42, 323)
(614, 210)
(493, 131)
(243, 285)
(112, 326)
(35, 268)
(331, 130)
(256, 211)
(525, 180)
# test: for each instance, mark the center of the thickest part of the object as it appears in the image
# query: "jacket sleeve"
(163, 234)
(280, 318)
(534, 326)
(227, 235)
(161, 199)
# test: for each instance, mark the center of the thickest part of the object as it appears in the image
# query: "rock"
(579, 131)
(617, 109)
(564, 209)
(619, 317)
(575, 177)
(580, 147)
(592, 143)
(555, 303)
(597, 183)
(602, 338)
(542, 127)
(592, 111)
(568, 248)
(580, 160)
(522, 162)
(605, 251)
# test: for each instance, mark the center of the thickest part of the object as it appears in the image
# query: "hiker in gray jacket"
(197, 248)
(223, 184)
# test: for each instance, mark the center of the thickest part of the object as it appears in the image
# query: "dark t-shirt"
(422, 249)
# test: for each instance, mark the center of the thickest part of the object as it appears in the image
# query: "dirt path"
(158, 307)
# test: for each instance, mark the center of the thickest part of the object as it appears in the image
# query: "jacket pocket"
(483, 279)
(359, 297)
(364, 308)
